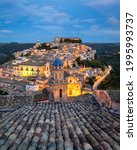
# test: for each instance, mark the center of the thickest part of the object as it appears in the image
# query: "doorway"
(60, 93)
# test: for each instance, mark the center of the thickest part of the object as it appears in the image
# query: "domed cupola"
(57, 63)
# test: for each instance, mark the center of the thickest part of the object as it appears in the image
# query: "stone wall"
(103, 97)
(9, 101)
(115, 98)
(115, 95)
(111, 98)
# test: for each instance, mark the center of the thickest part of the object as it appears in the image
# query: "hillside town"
(34, 69)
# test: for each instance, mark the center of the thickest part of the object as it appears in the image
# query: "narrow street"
(98, 82)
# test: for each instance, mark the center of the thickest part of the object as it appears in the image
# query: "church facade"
(61, 87)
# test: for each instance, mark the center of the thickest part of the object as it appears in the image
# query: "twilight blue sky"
(32, 20)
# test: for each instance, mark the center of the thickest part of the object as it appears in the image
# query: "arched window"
(55, 75)
(60, 75)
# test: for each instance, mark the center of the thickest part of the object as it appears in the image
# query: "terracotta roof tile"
(57, 126)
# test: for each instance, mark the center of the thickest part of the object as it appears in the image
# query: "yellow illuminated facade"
(32, 70)
(28, 71)
(74, 87)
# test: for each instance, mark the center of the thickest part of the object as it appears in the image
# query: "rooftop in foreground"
(79, 125)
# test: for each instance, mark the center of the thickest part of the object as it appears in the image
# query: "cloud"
(102, 3)
(83, 20)
(9, 1)
(113, 21)
(49, 27)
(33, 13)
(47, 14)
(6, 31)
(93, 18)
(96, 30)
(89, 20)
(111, 32)
(77, 26)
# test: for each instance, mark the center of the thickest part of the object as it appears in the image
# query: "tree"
(3, 92)
(78, 61)
(74, 65)
(90, 81)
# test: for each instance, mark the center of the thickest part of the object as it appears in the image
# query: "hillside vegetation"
(108, 54)
(7, 49)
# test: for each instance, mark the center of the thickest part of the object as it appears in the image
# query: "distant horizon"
(52, 41)
(58, 37)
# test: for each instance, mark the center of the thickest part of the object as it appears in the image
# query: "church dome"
(57, 62)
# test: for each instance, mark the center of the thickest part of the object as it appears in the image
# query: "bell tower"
(59, 85)
(58, 70)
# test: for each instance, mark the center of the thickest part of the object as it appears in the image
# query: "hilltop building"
(37, 44)
(67, 40)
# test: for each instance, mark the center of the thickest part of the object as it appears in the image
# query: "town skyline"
(28, 21)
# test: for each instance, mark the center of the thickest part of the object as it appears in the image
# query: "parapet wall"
(10, 101)
(104, 97)
(115, 98)
(111, 98)
(115, 95)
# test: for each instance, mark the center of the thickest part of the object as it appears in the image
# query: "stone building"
(10, 86)
(32, 87)
(32, 69)
(62, 86)
(74, 86)
(58, 84)
(67, 40)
